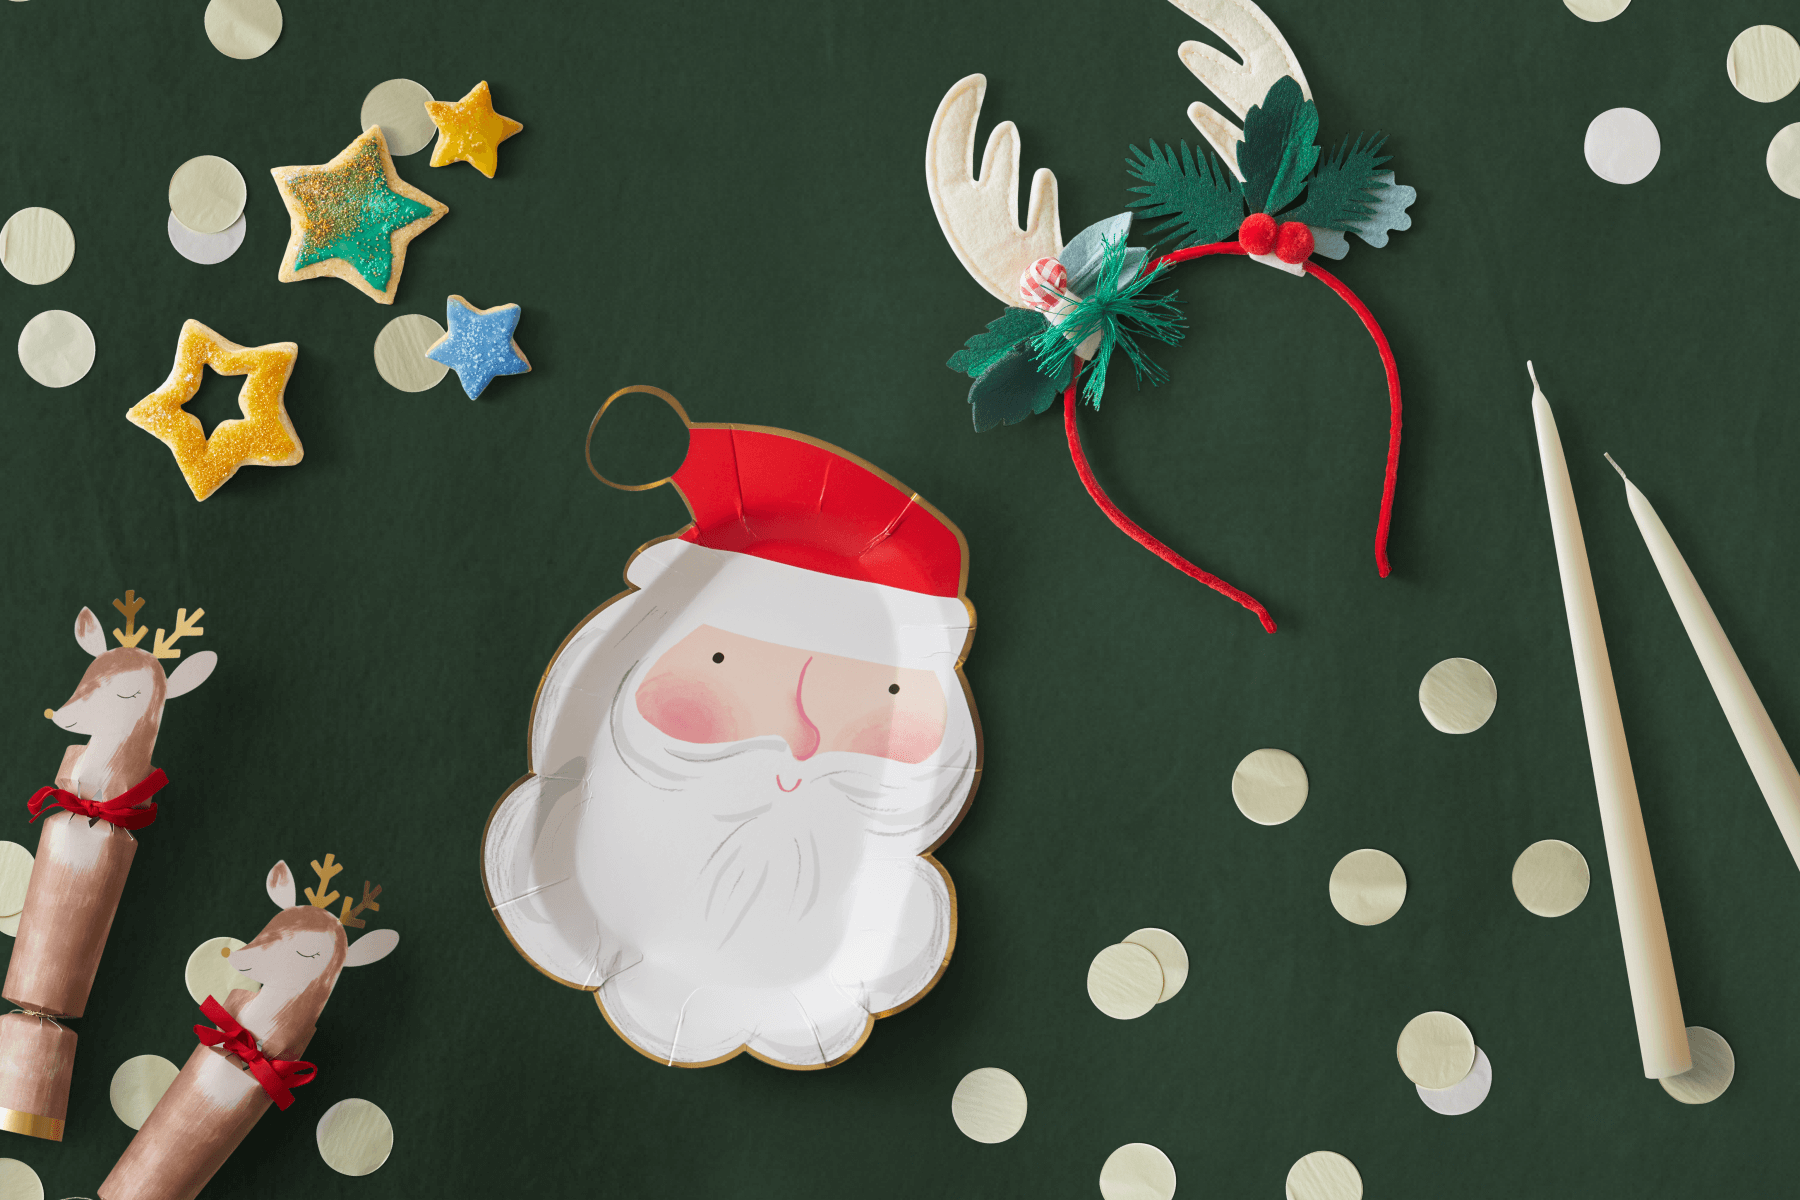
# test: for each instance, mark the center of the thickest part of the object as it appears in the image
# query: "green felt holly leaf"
(1342, 192)
(1196, 194)
(1014, 388)
(1277, 152)
(1004, 332)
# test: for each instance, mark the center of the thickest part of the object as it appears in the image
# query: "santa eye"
(718, 658)
(893, 689)
(307, 955)
(133, 695)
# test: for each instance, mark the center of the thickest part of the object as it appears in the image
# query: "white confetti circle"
(1171, 956)
(15, 878)
(1596, 10)
(1367, 887)
(1464, 1097)
(207, 193)
(1458, 696)
(56, 348)
(400, 353)
(36, 245)
(1784, 160)
(138, 1084)
(1137, 1171)
(1764, 63)
(243, 28)
(398, 106)
(210, 973)
(1712, 1072)
(989, 1105)
(207, 249)
(1622, 145)
(1436, 1050)
(355, 1137)
(1269, 786)
(1550, 878)
(1124, 981)
(19, 1182)
(1324, 1175)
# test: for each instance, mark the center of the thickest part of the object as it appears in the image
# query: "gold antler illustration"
(184, 626)
(321, 898)
(348, 916)
(129, 607)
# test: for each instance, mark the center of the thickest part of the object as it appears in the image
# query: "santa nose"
(804, 742)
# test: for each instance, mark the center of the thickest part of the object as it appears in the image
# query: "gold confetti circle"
(1137, 1171)
(1269, 786)
(1457, 695)
(243, 28)
(355, 1137)
(1764, 63)
(398, 106)
(1596, 10)
(1124, 981)
(1324, 1175)
(1714, 1066)
(989, 1105)
(36, 245)
(1436, 1050)
(1171, 956)
(207, 194)
(15, 878)
(138, 1084)
(210, 973)
(1784, 160)
(400, 353)
(56, 348)
(19, 1182)
(1550, 878)
(1367, 886)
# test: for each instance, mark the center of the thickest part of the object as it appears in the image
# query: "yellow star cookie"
(470, 130)
(264, 437)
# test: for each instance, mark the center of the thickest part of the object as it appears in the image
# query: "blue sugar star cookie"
(479, 345)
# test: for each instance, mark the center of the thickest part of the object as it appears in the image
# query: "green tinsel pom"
(1121, 311)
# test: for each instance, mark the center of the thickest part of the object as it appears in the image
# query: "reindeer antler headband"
(1071, 306)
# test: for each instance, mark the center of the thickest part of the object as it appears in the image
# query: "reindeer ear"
(281, 885)
(192, 672)
(88, 632)
(371, 947)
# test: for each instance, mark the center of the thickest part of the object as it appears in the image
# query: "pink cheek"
(686, 710)
(906, 738)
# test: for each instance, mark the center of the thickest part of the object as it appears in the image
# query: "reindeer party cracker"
(1268, 193)
(741, 764)
(103, 792)
(248, 1057)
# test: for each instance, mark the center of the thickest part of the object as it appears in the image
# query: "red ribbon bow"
(122, 810)
(277, 1075)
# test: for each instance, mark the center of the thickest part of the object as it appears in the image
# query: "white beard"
(730, 912)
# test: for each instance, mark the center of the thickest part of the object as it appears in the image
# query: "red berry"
(1293, 242)
(1257, 233)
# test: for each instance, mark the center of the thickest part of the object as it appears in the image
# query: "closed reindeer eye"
(308, 955)
(133, 695)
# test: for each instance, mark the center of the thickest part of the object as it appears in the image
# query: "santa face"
(725, 835)
(714, 686)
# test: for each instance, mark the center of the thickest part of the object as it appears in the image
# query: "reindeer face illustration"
(121, 688)
(300, 946)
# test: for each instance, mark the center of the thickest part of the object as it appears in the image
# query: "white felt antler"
(1267, 57)
(980, 214)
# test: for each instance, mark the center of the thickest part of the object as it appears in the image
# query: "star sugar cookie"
(479, 344)
(470, 130)
(353, 218)
(265, 436)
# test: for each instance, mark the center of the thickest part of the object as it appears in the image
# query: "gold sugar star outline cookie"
(470, 130)
(264, 437)
(353, 218)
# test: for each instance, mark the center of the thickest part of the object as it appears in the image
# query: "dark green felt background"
(726, 200)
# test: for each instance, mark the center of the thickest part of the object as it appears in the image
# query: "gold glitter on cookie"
(265, 436)
(470, 131)
(353, 218)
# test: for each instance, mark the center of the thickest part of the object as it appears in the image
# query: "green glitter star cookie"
(353, 218)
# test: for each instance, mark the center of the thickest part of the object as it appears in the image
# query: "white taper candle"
(1762, 746)
(1649, 969)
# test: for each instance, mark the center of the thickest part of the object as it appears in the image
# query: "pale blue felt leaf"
(1388, 212)
(1329, 243)
(1082, 256)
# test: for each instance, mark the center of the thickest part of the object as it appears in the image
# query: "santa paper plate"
(741, 764)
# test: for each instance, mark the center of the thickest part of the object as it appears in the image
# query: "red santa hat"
(774, 510)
